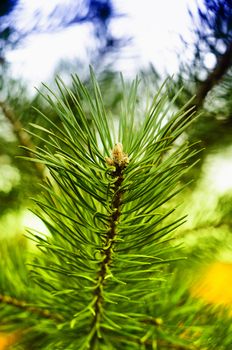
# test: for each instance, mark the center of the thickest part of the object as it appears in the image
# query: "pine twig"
(119, 161)
(21, 304)
(22, 136)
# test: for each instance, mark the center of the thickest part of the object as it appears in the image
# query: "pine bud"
(118, 156)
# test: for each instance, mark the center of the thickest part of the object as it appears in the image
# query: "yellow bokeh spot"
(215, 284)
(6, 340)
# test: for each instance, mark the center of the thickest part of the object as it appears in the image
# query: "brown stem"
(23, 137)
(107, 249)
(21, 304)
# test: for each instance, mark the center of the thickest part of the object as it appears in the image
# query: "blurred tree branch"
(207, 76)
(223, 64)
(22, 136)
(213, 35)
(21, 304)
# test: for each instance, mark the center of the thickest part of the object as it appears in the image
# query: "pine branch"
(22, 136)
(21, 304)
(119, 161)
(110, 220)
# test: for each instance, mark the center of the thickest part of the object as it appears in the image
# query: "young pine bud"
(119, 158)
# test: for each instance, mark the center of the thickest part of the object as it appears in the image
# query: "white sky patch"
(219, 172)
(154, 27)
(41, 53)
(209, 60)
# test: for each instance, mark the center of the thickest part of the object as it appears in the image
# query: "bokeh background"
(186, 39)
